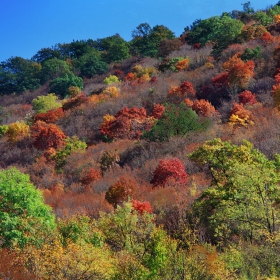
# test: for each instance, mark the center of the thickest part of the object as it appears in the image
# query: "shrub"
(17, 131)
(176, 120)
(111, 80)
(61, 85)
(169, 169)
(119, 192)
(47, 136)
(42, 103)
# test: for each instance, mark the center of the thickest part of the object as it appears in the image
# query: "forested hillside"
(157, 158)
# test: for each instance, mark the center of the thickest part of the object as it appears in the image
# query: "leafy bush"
(60, 85)
(111, 80)
(42, 103)
(169, 169)
(176, 120)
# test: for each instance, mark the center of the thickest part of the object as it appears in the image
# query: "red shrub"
(91, 176)
(127, 123)
(169, 169)
(247, 97)
(142, 206)
(50, 116)
(158, 111)
(47, 136)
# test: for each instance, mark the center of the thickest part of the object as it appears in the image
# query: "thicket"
(156, 158)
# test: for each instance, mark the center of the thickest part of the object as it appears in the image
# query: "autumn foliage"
(247, 97)
(119, 192)
(142, 206)
(239, 72)
(49, 117)
(169, 170)
(127, 123)
(47, 136)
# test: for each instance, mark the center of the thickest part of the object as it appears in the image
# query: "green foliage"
(175, 121)
(54, 68)
(42, 104)
(18, 74)
(113, 48)
(250, 54)
(91, 64)
(60, 85)
(3, 129)
(111, 80)
(72, 144)
(244, 189)
(146, 40)
(24, 218)
(222, 31)
(263, 18)
(79, 229)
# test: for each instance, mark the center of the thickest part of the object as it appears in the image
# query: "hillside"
(157, 158)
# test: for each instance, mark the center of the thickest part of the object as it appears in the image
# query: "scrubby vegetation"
(157, 158)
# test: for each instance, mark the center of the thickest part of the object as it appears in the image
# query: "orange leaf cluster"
(91, 176)
(175, 94)
(47, 136)
(127, 123)
(119, 192)
(239, 72)
(267, 38)
(169, 169)
(49, 117)
(203, 107)
(158, 111)
(182, 64)
(142, 206)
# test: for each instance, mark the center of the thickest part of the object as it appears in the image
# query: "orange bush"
(47, 135)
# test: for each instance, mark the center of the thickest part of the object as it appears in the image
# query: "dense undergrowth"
(156, 158)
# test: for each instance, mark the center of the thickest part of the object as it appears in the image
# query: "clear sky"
(26, 26)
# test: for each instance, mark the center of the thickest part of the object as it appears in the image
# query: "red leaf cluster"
(168, 169)
(158, 111)
(91, 176)
(49, 117)
(142, 206)
(267, 38)
(184, 89)
(128, 123)
(247, 97)
(47, 136)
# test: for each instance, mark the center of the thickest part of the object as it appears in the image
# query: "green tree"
(54, 68)
(91, 64)
(220, 30)
(24, 218)
(60, 85)
(18, 74)
(241, 199)
(42, 103)
(176, 120)
(146, 40)
(113, 48)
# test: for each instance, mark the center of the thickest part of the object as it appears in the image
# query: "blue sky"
(30, 25)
